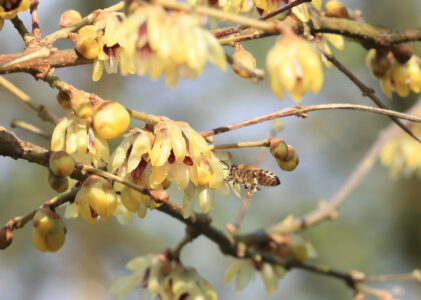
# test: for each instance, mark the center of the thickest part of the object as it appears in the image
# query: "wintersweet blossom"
(294, 66)
(74, 135)
(168, 280)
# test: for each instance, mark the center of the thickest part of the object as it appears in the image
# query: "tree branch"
(301, 111)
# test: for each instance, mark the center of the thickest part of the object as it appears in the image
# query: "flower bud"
(49, 230)
(69, 17)
(336, 9)
(44, 220)
(290, 162)
(278, 148)
(110, 119)
(6, 237)
(62, 163)
(87, 47)
(244, 58)
(63, 99)
(58, 183)
(402, 53)
(378, 62)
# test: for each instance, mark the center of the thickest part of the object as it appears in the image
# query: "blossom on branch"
(10, 8)
(166, 279)
(74, 135)
(294, 66)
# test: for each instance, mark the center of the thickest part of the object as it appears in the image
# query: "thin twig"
(20, 222)
(367, 92)
(42, 111)
(262, 143)
(31, 128)
(255, 74)
(36, 31)
(219, 33)
(64, 32)
(20, 27)
(301, 112)
(158, 195)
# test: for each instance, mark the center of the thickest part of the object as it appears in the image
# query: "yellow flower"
(236, 6)
(173, 152)
(402, 153)
(10, 8)
(164, 278)
(294, 66)
(74, 135)
(266, 6)
(244, 270)
(96, 198)
(171, 43)
(395, 76)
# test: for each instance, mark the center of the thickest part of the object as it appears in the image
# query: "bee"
(251, 177)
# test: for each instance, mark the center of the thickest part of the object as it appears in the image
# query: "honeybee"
(251, 177)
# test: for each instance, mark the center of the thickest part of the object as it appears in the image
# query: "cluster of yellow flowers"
(10, 8)
(167, 279)
(402, 153)
(172, 151)
(395, 76)
(151, 41)
(294, 66)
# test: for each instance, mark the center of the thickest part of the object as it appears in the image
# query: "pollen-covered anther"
(61, 163)
(49, 230)
(110, 119)
(69, 17)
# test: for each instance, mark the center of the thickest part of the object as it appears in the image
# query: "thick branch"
(59, 59)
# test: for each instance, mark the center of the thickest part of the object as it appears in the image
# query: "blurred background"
(378, 228)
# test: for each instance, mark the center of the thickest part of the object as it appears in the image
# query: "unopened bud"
(402, 53)
(290, 162)
(110, 119)
(278, 148)
(62, 163)
(6, 237)
(336, 9)
(243, 58)
(87, 47)
(69, 17)
(58, 183)
(380, 63)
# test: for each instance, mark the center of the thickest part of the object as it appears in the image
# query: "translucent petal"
(141, 145)
(178, 143)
